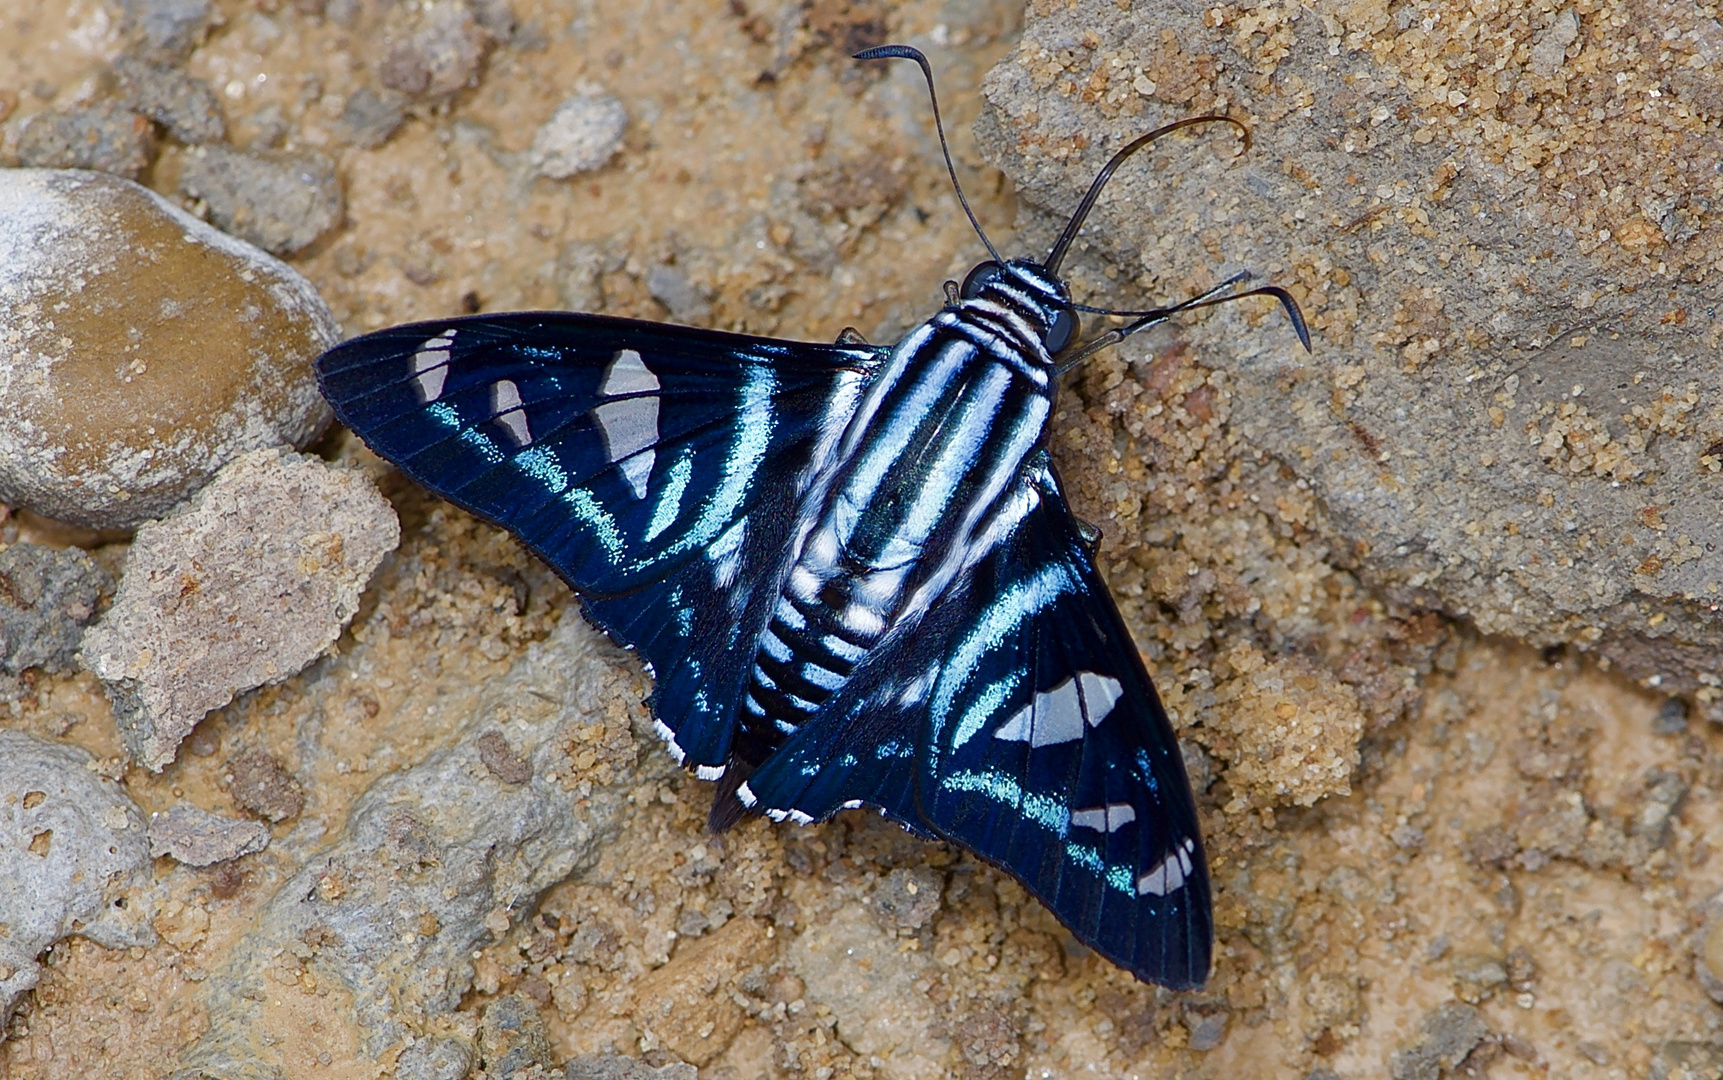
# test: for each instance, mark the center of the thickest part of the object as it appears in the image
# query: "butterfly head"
(1027, 287)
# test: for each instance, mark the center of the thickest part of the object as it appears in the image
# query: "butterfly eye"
(979, 278)
(1064, 328)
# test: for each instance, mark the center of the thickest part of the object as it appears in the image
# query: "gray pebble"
(196, 837)
(432, 50)
(279, 202)
(168, 28)
(435, 1059)
(104, 136)
(1207, 1028)
(617, 1067)
(47, 597)
(583, 133)
(671, 287)
(907, 898)
(1450, 1032)
(1671, 718)
(72, 859)
(512, 1038)
(369, 118)
(245, 586)
(187, 107)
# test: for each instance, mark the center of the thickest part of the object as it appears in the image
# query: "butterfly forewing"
(654, 467)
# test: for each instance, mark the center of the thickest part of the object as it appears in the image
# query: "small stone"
(617, 1067)
(104, 136)
(1479, 976)
(907, 898)
(512, 1037)
(245, 586)
(1671, 717)
(279, 202)
(263, 786)
(187, 107)
(583, 133)
(435, 52)
(671, 287)
(72, 859)
(196, 837)
(1685, 1060)
(140, 349)
(508, 766)
(168, 28)
(435, 1059)
(1207, 1027)
(47, 597)
(369, 118)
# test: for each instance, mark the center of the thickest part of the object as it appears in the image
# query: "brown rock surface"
(140, 349)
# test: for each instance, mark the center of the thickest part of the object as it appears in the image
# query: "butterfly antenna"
(905, 52)
(1063, 244)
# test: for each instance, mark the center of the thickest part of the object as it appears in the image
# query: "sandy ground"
(1506, 842)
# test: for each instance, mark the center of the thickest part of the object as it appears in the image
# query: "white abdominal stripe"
(1170, 874)
(1057, 715)
(629, 421)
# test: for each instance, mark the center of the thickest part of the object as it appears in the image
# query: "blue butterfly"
(851, 570)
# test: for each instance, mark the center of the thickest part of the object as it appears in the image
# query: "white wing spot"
(1100, 693)
(628, 374)
(1109, 818)
(669, 738)
(745, 795)
(1055, 716)
(431, 366)
(850, 804)
(709, 772)
(506, 410)
(630, 426)
(1170, 874)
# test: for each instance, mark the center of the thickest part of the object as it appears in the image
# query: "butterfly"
(851, 570)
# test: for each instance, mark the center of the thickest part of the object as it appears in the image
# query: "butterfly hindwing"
(654, 467)
(1039, 744)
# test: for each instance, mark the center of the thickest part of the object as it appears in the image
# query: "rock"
(104, 136)
(671, 287)
(512, 1038)
(170, 29)
(369, 118)
(1451, 1032)
(262, 786)
(140, 349)
(1511, 411)
(435, 1059)
(617, 1067)
(245, 586)
(583, 134)
(690, 1006)
(855, 968)
(432, 50)
(280, 202)
(47, 597)
(196, 837)
(908, 898)
(455, 847)
(1206, 1026)
(73, 859)
(187, 107)
(1681, 1059)
(1671, 717)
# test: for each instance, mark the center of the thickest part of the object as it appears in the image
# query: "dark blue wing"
(1037, 741)
(655, 467)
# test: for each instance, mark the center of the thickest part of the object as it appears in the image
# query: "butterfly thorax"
(924, 482)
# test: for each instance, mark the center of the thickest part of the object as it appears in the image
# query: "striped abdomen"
(923, 484)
